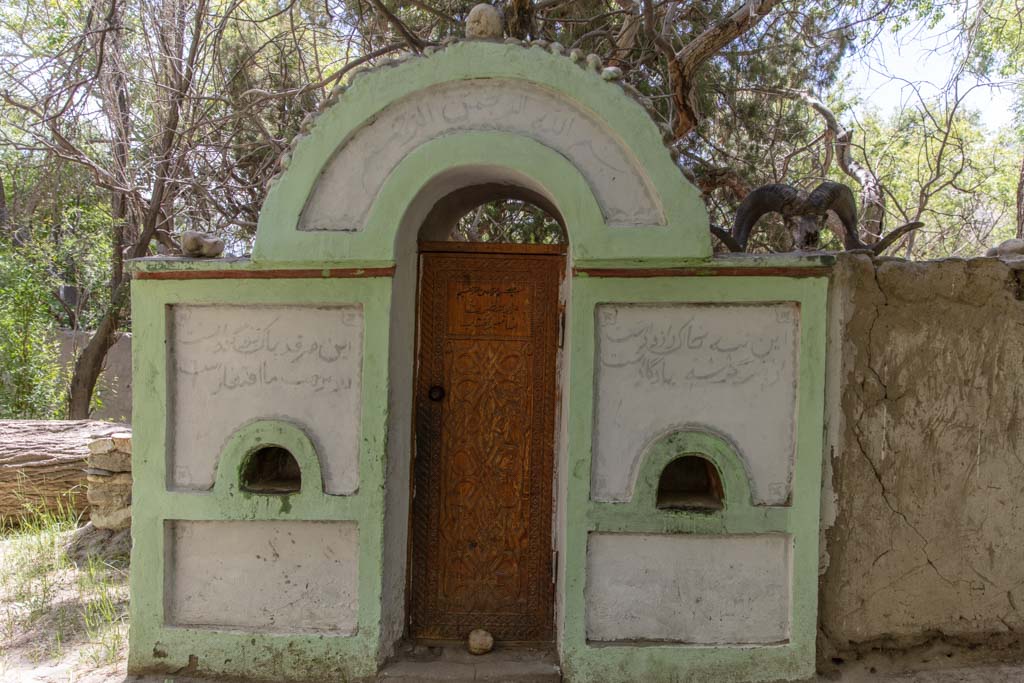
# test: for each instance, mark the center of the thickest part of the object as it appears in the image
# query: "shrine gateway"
(369, 437)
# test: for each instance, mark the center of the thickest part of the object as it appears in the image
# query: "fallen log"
(42, 464)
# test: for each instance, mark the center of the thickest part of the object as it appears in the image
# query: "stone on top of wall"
(927, 457)
(110, 481)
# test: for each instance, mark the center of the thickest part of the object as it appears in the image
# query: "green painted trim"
(685, 234)
(251, 437)
(157, 647)
(731, 467)
(584, 662)
(161, 264)
(173, 264)
(738, 516)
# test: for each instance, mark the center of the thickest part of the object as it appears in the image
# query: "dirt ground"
(932, 666)
(64, 619)
(63, 615)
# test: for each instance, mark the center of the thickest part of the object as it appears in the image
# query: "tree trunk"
(117, 108)
(42, 464)
(872, 199)
(3, 206)
(1020, 203)
(89, 363)
(683, 66)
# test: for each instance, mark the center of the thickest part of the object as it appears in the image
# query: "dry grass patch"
(61, 616)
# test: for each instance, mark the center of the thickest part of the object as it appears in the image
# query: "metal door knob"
(435, 393)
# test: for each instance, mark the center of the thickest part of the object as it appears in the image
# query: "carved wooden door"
(485, 419)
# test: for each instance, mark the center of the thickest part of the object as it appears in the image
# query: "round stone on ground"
(484, 22)
(480, 642)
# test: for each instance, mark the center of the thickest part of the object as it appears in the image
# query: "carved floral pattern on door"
(482, 508)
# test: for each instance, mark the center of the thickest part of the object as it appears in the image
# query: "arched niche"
(266, 436)
(476, 105)
(728, 471)
(449, 211)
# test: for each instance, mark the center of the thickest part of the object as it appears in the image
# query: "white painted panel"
(275, 577)
(690, 589)
(348, 185)
(234, 364)
(730, 368)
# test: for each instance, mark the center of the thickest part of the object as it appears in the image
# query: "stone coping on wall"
(153, 267)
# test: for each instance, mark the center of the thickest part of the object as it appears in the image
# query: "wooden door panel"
(482, 508)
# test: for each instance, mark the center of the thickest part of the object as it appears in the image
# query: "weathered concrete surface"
(263, 576)
(455, 665)
(688, 588)
(666, 366)
(349, 183)
(927, 456)
(233, 364)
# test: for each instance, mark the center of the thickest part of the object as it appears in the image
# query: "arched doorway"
(489, 320)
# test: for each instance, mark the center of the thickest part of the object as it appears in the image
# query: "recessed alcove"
(690, 483)
(496, 213)
(271, 469)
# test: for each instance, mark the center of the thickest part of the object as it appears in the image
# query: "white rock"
(201, 244)
(119, 518)
(484, 23)
(480, 642)
(104, 445)
(1011, 248)
(611, 73)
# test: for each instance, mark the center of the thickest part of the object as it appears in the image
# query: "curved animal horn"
(778, 197)
(839, 198)
(725, 237)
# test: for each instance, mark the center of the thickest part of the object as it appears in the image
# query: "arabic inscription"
(234, 364)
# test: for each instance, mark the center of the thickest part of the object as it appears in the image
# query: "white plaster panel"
(704, 590)
(730, 368)
(233, 364)
(349, 183)
(272, 577)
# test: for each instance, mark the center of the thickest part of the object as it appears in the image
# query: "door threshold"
(454, 664)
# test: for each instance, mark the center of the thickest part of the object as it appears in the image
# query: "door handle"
(435, 393)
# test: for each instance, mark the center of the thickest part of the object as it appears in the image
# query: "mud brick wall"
(923, 512)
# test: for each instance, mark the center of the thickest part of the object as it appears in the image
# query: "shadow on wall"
(114, 389)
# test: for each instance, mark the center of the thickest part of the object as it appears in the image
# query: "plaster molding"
(628, 172)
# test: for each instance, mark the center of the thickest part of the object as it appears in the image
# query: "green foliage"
(998, 46)
(509, 220)
(948, 172)
(30, 377)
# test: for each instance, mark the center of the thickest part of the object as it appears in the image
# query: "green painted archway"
(481, 112)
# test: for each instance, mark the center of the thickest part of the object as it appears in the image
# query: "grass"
(54, 611)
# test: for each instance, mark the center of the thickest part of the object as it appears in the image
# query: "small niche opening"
(271, 469)
(495, 213)
(690, 483)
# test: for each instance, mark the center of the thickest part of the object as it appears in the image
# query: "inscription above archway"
(342, 196)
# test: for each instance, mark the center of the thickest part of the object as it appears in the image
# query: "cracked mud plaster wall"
(923, 508)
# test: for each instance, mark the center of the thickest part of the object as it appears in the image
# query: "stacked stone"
(109, 478)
